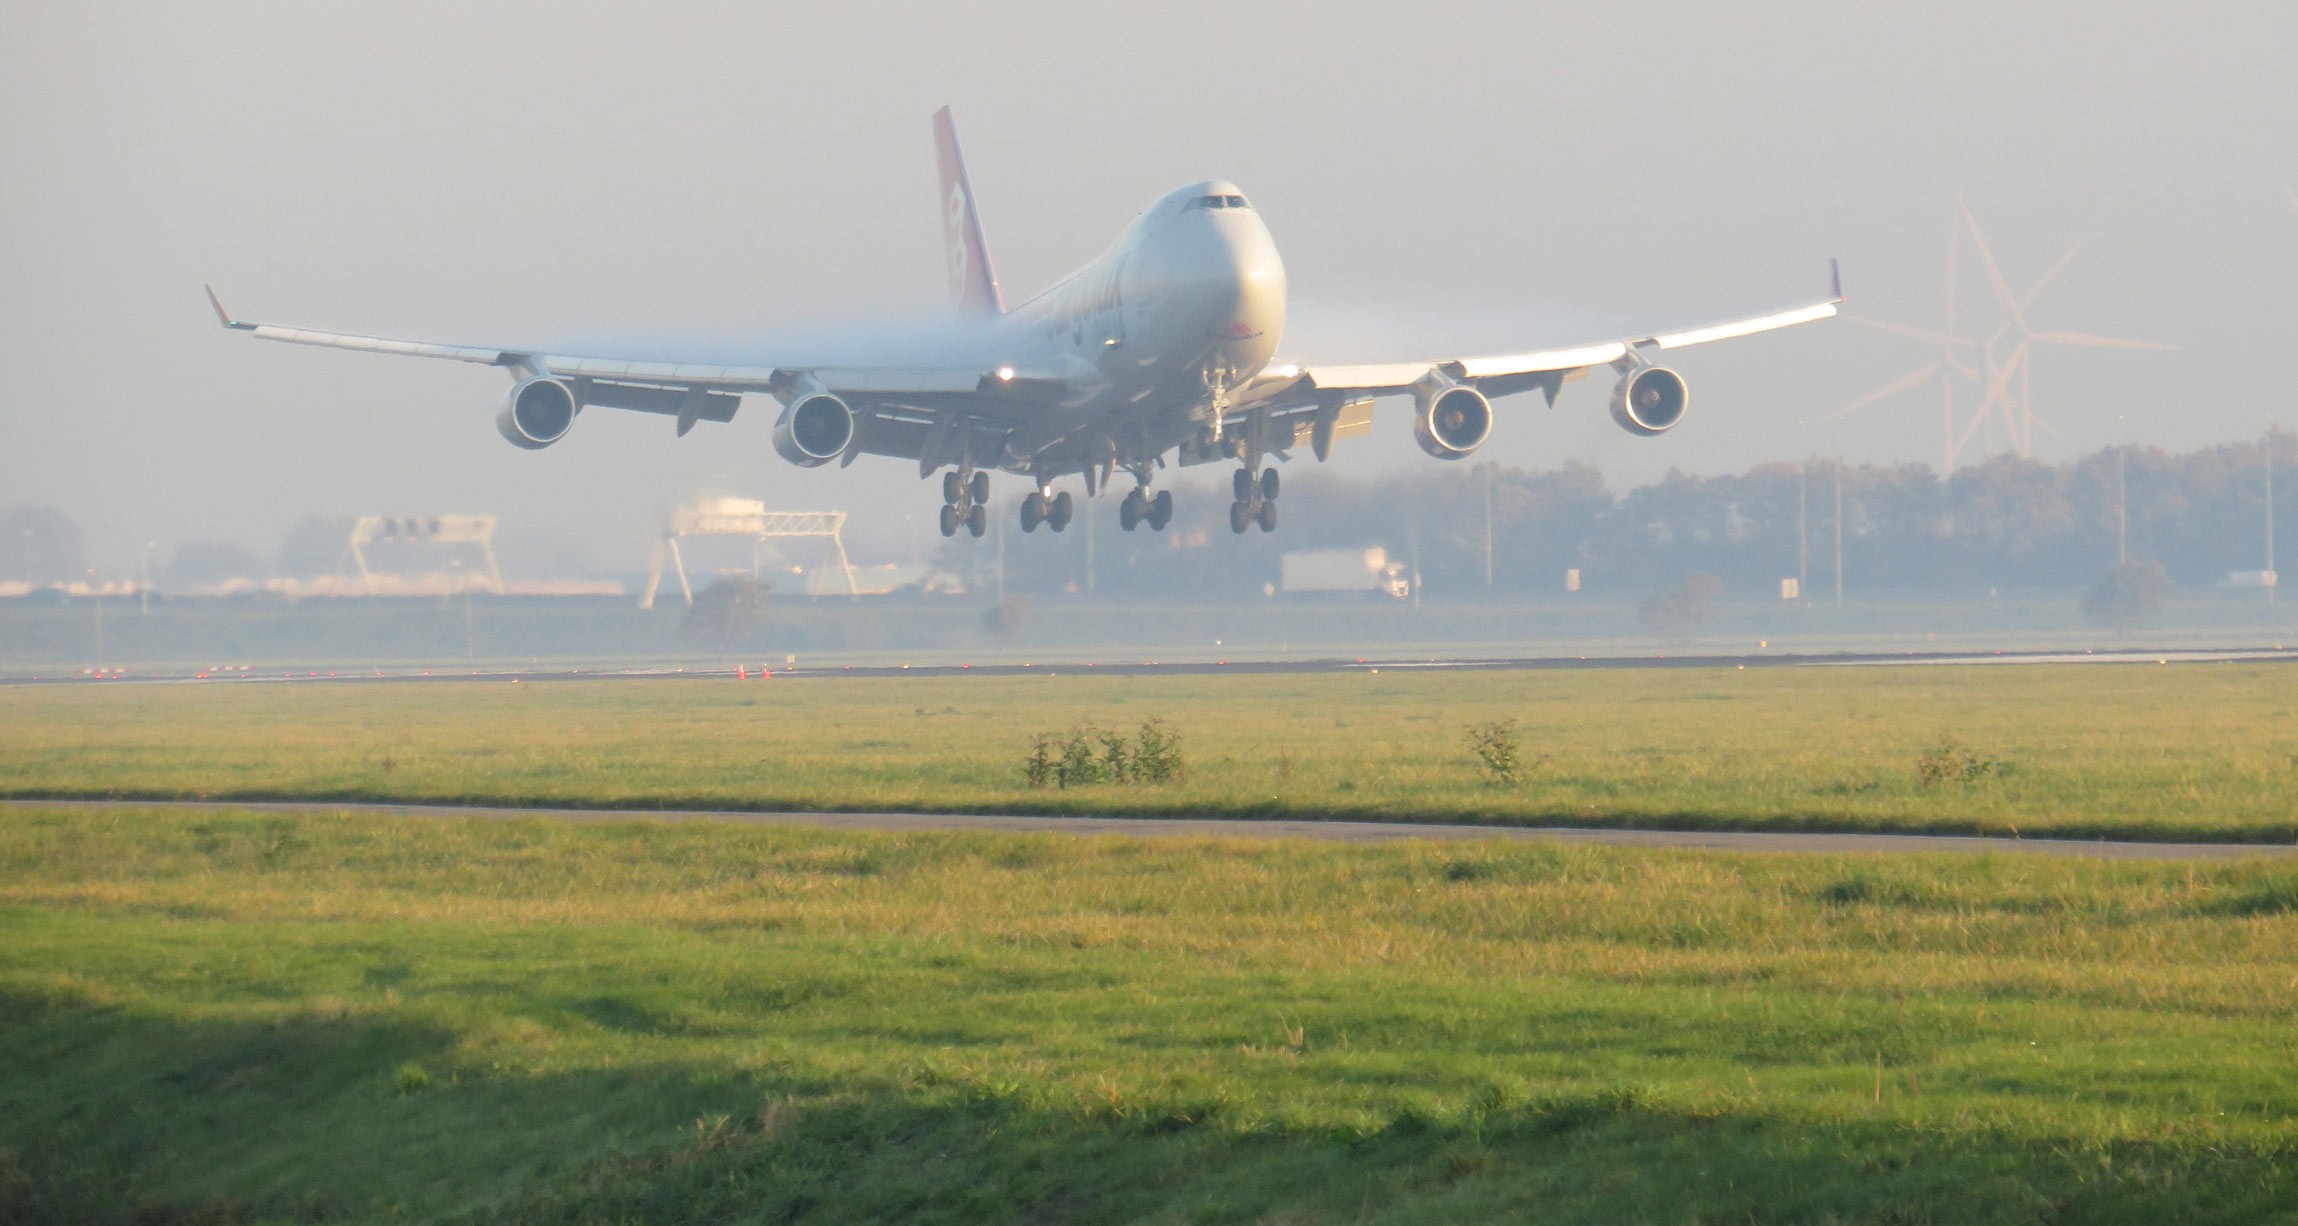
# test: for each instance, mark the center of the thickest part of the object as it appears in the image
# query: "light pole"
(1839, 532)
(145, 586)
(2121, 498)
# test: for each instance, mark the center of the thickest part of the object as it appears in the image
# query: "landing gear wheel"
(1032, 512)
(1239, 515)
(1206, 440)
(1059, 513)
(977, 520)
(949, 520)
(1161, 510)
(1269, 484)
(1241, 485)
(1268, 517)
(1129, 511)
(981, 487)
(952, 488)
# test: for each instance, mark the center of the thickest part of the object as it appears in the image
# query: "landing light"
(1005, 374)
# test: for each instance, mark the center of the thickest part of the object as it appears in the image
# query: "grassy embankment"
(216, 1017)
(2184, 752)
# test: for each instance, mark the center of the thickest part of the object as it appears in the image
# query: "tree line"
(2003, 524)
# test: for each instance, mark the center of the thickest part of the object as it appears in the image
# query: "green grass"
(2202, 751)
(253, 1017)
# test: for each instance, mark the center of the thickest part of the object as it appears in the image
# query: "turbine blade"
(2091, 341)
(1913, 378)
(2002, 287)
(2027, 303)
(1925, 335)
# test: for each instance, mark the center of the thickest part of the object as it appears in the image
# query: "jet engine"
(1452, 422)
(537, 413)
(1650, 400)
(814, 430)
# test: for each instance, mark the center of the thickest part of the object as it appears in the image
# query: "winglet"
(1834, 280)
(222, 316)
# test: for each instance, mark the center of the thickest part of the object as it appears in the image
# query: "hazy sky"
(1471, 176)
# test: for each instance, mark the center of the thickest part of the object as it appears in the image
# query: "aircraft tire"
(1161, 510)
(1032, 512)
(977, 520)
(981, 487)
(1129, 511)
(952, 488)
(1268, 517)
(1241, 485)
(1269, 484)
(949, 520)
(1062, 510)
(1239, 515)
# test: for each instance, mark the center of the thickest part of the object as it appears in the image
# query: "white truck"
(1344, 571)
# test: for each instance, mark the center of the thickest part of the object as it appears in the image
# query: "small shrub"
(410, 1078)
(1497, 749)
(1157, 754)
(1116, 766)
(1076, 765)
(1103, 755)
(1950, 761)
(1037, 771)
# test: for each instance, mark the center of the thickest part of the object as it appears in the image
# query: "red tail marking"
(973, 282)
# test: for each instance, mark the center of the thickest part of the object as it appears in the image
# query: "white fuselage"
(1187, 296)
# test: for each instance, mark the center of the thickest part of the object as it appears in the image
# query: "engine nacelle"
(814, 430)
(537, 413)
(1650, 400)
(1452, 422)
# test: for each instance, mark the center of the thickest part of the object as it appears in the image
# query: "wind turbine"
(2016, 403)
(1946, 368)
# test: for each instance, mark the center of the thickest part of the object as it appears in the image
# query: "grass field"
(2199, 751)
(253, 1017)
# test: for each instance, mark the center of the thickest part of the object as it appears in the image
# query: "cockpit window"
(1219, 202)
(1236, 202)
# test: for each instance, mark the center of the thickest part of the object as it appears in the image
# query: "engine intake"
(537, 413)
(1650, 400)
(814, 430)
(1453, 422)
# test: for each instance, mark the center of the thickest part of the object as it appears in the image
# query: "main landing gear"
(1256, 500)
(1139, 508)
(965, 502)
(1054, 511)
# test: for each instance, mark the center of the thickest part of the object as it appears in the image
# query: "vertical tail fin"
(973, 283)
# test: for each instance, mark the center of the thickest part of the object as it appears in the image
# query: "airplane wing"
(903, 411)
(1282, 388)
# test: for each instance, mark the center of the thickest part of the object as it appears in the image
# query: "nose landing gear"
(965, 501)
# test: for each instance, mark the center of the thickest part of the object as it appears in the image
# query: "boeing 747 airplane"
(1165, 345)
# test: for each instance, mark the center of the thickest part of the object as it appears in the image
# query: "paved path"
(1334, 831)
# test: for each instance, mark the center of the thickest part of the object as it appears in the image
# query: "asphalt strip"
(1330, 831)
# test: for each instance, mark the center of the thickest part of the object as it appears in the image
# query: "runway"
(1183, 827)
(1117, 667)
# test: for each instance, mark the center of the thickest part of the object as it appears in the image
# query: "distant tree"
(1005, 619)
(197, 562)
(726, 613)
(316, 545)
(1687, 604)
(2127, 595)
(41, 545)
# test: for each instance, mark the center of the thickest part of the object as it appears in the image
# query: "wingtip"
(1834, 279)
(222, 316)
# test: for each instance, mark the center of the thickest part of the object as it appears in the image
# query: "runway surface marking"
(1330, 831)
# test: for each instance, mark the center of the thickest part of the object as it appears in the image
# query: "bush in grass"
(1103, 755)
(725, 614)
(2128, 595)
(1950, 761)
(1497, 749)
(1690, 602)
